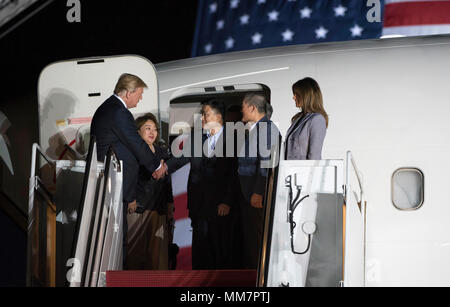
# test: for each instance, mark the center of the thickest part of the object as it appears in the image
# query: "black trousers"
(252, 220)
(212, 243)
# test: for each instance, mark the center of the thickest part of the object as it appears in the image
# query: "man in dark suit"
(211, 178)
(113, 126)
(255, 159)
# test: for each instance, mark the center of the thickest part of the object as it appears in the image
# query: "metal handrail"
(34, 185)
(5, 3)
(36, 149)
(357, 173)
(33, 180)
(362, 204)
(29, 9)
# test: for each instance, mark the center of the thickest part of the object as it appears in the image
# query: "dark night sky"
(158, 30)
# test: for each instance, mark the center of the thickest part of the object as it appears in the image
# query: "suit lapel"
(256, 129)
(299, 124)
(252, 141)
(204, 139)
(292, 126)
(219, 145)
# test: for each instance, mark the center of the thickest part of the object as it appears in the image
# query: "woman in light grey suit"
(304, 139)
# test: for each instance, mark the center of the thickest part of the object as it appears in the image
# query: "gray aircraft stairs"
(314, 233)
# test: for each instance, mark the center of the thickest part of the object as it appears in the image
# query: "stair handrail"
(351, 159)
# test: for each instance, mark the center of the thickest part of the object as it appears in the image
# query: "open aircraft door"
(315, 226)
(303, 242)
(75, 224)
(71, 91)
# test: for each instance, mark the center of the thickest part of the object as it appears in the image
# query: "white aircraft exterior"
(388, 103)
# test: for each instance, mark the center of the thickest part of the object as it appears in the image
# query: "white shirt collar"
(208, 133)
(254, 125)
(218, 134)
(212, 140)
(121, 101)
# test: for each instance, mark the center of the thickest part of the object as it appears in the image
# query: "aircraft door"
(185, 115)
(303, 232)
(70, 92)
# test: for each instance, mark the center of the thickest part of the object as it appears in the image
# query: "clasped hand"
(161, 172)
(256, 201)
(223, 210)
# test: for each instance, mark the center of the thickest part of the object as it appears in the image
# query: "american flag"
(234, 25)
(183, 231)
(410, 18)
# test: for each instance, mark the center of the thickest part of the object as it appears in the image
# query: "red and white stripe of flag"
(183, 232)
(416, 17)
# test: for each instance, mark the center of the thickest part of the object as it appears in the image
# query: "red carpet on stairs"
(181, 278)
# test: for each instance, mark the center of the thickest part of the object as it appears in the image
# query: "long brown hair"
(308, 91)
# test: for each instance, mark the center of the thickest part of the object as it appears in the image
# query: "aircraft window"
(408, 189)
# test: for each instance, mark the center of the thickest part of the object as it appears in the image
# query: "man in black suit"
(113, 126)
(255, 159)
(210, 184)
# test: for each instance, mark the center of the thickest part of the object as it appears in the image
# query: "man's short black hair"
(256, 100)
(217, 105)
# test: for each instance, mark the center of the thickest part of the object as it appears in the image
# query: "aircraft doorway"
(185, 109)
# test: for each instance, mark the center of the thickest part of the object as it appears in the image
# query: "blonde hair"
(308, 91)
(128, 83)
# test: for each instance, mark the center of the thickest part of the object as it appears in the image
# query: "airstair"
(75, 220)
(314, 234)
(315, 226)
